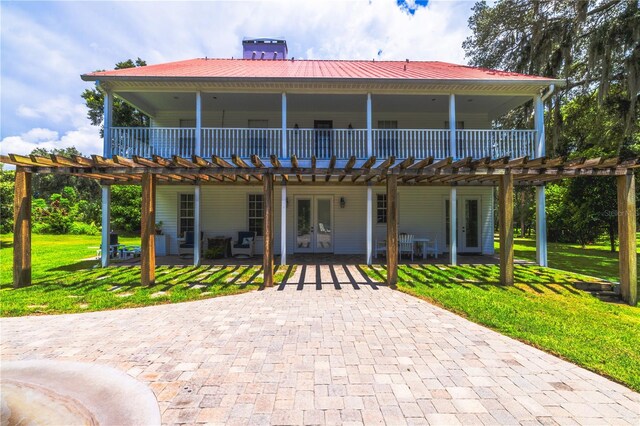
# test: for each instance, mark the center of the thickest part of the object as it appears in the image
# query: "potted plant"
(214, 253)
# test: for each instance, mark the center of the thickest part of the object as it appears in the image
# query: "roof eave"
(535, 82)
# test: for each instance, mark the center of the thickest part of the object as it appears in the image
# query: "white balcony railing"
(321, 143)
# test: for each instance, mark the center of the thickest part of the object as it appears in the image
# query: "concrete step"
(591, 286)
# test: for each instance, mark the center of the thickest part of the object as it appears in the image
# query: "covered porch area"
(453, 174)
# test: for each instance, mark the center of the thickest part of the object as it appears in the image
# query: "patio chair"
(405, 245)
(244, 245)
(380, 247)
(186, 244)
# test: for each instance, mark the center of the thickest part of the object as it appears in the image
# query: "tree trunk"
(612, 237)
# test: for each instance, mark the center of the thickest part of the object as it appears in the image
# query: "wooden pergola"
(504, 173)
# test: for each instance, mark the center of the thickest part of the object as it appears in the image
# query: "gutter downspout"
(552, 88)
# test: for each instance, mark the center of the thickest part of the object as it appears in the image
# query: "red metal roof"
(315, 69)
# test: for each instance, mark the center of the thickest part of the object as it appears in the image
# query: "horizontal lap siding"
(341, 120)
(224, 212)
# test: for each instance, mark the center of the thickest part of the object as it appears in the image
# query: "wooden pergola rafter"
(503, 172)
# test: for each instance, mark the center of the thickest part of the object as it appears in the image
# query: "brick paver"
(344, 352)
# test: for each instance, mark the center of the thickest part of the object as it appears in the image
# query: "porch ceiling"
(153, 102)
(448, 171)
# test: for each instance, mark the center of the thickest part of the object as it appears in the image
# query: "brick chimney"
(264, 48)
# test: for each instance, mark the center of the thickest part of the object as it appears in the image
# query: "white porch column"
(541, 215)
(452, 126)
(539, 126)
(107, 117)
(198, 148)
(283, 225)
(369, 224)
(196, 226)
(369, 127)
(541, 227)
(453, 225)
(106, 224)
(284, 126)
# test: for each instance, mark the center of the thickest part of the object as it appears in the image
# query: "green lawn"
(542, 309)
(596, 260)
(66, 279)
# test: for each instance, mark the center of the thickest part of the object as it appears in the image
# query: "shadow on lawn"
(167, 278)
(480, 276)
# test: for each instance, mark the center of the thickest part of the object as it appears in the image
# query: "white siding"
(421, 212)
(341, 120)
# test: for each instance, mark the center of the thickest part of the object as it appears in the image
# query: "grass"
(595, 260)
(541, 309)
(66, 279)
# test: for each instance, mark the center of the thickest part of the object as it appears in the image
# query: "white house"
(321, 113)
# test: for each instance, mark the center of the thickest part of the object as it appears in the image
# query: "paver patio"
(336, 350)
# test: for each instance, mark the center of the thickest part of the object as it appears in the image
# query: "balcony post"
(627, 234)
(369, 126)
(107, 117)
(283, 224)
(198, 148)
(453, 225)
(539, 126)
(541, 214)
(369, 223)
(106, 225)
(452, 126)
(283, 149)
(196, 225)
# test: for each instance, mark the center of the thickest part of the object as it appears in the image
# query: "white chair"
(380, 247)
(405, 245)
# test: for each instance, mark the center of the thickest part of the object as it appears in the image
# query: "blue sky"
(45, 46)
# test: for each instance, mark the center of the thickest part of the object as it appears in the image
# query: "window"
(459, 125)
(186, 213)
(381, 208)
(256, 214)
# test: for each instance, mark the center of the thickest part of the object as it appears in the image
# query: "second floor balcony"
(306, 143)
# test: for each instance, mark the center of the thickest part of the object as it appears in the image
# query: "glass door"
(468, 229)
(470, 225)
(314, 224)
(304, 226)
(324, 225)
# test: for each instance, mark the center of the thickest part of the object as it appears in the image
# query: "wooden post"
(22, 229)
(505, 199)
(283, 224)
(392, 230)
(148, 254)
(267, 256)
(627, 233)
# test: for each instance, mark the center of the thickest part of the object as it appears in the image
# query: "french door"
(323, 139)
(314, 224)
(468, 226)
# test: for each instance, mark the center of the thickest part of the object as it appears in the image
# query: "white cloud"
(85, 139)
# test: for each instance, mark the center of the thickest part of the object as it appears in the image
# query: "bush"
(80, 228)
